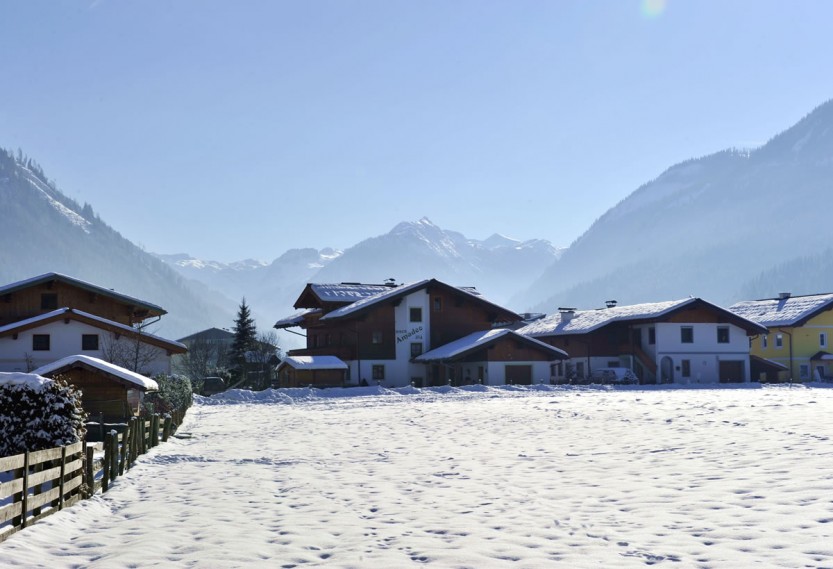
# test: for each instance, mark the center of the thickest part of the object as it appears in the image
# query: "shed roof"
(125, 375)
(313, 362)
(790, 311)
(478, 340)
(585, 321)
(46, 277)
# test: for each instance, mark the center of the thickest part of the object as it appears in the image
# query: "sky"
(241, 129)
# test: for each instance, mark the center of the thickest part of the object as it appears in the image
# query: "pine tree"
(245, 335)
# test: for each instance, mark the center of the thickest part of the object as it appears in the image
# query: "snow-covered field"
(479, 478)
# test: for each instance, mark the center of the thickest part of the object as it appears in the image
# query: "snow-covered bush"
(38, 413)
(174, 393)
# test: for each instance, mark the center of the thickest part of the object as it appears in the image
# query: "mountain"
(705, 227)
(498, 266)
(43, 231)
(270, 289)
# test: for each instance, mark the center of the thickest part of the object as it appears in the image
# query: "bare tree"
(200, 361)
(263, 359)
(130, 350)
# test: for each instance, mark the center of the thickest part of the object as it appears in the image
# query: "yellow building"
(800, 332)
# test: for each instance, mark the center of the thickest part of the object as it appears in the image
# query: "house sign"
(405, 335)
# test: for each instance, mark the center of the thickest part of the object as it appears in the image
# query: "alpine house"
(423, 333)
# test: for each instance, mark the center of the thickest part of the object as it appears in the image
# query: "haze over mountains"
(732, 225)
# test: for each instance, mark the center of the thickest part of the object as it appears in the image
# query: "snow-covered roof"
(584, 321)
(314, 362)
(32, 381)
(131, 377)
(295, 318)
(402, 290)
(791, 311)
(19, 285)
(73, 312)
(478, 340)
(346, 292)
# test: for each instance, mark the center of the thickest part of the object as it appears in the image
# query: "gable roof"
(123, 375)
(791, 311)
(478, 340)
(315, 295)
(392, 294)
(92, 320)
(586, 321)
(46, 277)
(295, 318)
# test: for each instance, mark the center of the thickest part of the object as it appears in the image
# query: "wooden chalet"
(380, 330)
(50, 291)
(109, 392)
(314, 371)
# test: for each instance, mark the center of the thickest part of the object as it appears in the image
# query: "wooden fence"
(43, 482)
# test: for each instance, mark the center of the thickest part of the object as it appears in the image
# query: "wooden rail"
(39, 483)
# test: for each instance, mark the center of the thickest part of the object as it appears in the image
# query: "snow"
(139, 380)
(73, 217)
(87, 315)
(485, 477)
(31, 381)
(478, 339)
(314, 362)
(584, 321)
(782, 312)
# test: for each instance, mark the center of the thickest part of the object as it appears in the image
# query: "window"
(804, 371)
(686, 369)
(379, 372)
(613, 363)
(416, 314)
(652, 336)
(722, 334)
(40, 342)
(822, 339)
(779, 340)
(687, 335)
(438, 304)
(580, 369)
(764, 342)
(416, 349)
(89, 342)
(376, 338)
(49, 301)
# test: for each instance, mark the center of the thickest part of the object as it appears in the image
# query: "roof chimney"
(567, 313)
(610, 303)
(783, 295)
(391, 282)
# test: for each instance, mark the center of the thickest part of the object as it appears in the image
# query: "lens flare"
(652, 8)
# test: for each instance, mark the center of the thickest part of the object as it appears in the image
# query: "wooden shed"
(317, 371)
(108, 392)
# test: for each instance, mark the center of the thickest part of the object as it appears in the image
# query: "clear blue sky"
(242, 128)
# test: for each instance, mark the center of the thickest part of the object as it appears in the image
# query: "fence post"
(125, 437)
(37, 489)
(105, 471)
(166, 428)
(156, 429)
(114, 455)
(89, 469)
(63, 477)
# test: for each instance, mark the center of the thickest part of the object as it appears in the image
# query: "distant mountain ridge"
(410, 251)
(44, 231)
(706, 227)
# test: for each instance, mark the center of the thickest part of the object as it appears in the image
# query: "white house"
(41, 340)
(679, 341)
